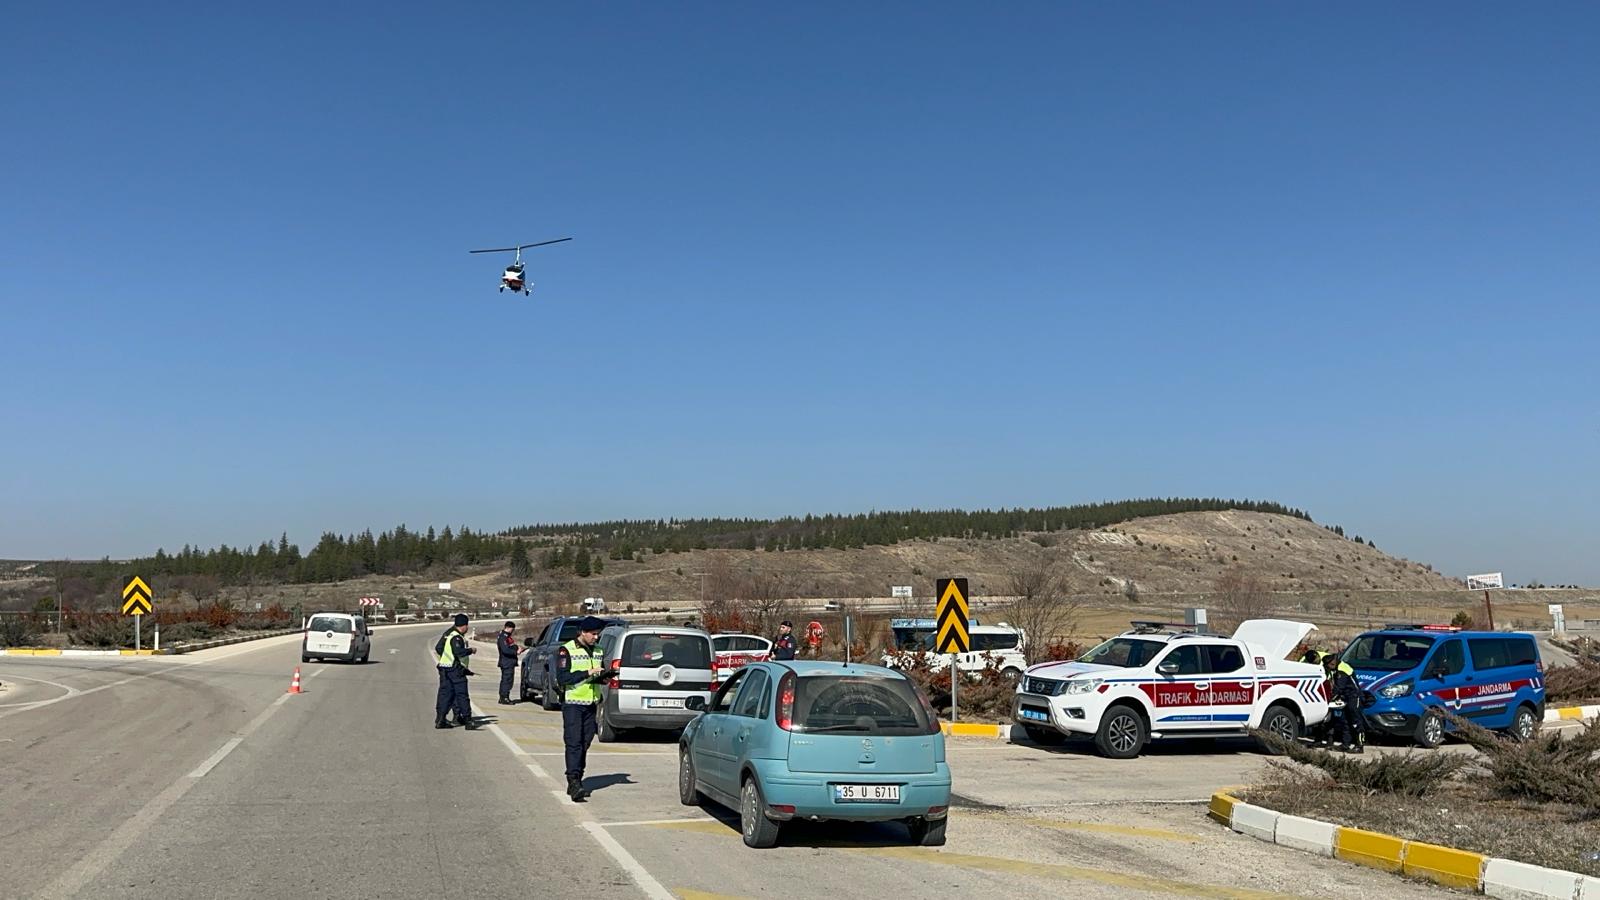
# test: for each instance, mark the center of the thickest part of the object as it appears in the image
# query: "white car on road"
(1150, 684)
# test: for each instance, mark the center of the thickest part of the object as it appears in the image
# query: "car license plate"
(663, 703)
(1035, 715)
(866, 793)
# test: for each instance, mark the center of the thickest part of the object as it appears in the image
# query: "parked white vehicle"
(1150, 683)
(1000, 644)
(331, 635)
(735, 651)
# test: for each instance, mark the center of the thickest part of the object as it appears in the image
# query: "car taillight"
(614, 683)
(786, 702)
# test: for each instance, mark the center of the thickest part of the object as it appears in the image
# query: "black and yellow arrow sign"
(951, 617)
(135, 597)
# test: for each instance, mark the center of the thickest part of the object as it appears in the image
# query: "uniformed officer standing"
(578, 669)
(506, 640)
(783, 647)
(453, 652)
(1345, 700)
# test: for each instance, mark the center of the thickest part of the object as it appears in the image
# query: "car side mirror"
(528, 642)
(1168, 668)
(695, 703)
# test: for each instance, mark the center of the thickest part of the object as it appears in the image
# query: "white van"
(334, 635)
(594, 604)
(654, 670)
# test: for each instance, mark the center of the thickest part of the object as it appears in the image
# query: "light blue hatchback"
(813, 740)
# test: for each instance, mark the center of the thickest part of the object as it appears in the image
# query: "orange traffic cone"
(294, 686)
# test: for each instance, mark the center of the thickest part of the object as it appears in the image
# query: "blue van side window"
(1500, 653)
(1450, 659)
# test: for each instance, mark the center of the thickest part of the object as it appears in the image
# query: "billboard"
(1486, 581)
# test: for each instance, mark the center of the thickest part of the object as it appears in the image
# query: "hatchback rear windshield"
(684, 651)
(857, 704)
(329, 623)
(1129, 653)
(1387, 652)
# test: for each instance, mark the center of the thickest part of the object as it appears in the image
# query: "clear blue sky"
(827, 257)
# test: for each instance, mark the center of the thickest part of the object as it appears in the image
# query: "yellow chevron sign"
(135, 597)
(951, 616)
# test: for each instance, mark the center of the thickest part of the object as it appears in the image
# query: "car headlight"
(1398, 689)
(1083, 686)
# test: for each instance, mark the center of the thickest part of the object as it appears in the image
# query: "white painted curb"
(1585, 713)
(91, 653)
(1588, 887)
(1309, 835)
(1255, 821)
(1509, 880)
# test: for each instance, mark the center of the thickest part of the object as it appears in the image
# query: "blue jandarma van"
(1410, 674)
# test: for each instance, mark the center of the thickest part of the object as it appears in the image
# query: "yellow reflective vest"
(583, 659)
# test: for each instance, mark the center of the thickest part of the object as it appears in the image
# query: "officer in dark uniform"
(453, 652)
(1345, 701)
(783, 647)
(506, 640)
(579, 671)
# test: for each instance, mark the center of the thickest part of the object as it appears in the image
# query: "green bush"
(18, 631)
(1548, 767)
(1571, 684)
(103, 631)
(1412, 774)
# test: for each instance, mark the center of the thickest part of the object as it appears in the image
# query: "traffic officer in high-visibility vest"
(579, 671)
(453, 652)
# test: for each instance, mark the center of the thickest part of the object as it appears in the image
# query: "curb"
(1447, 866)
(1571, 713)
(165, 651)
(965, 729)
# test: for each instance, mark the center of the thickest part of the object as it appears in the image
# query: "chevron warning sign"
(135, 597)
(951, 617)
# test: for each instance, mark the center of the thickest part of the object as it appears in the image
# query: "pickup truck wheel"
(1281, 721)
(547, 697)
(1122, 733)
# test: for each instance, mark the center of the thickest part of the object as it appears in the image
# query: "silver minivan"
(654, 669)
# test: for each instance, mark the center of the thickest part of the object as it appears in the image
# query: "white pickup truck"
(1150, 683)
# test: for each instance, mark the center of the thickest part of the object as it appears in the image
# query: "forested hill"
(405, 551)
(873, 528)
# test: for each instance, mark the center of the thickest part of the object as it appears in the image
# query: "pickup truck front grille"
(1047, 687)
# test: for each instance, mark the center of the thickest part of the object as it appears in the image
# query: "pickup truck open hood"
(1272, 638)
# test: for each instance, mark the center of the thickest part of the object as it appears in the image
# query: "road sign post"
(136, 603)
(951, 633)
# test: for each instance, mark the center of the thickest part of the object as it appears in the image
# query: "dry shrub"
(988, 695)
(1409, 774)
(18, 631)
(1549, 767)
(102, 631)
(1570, 684)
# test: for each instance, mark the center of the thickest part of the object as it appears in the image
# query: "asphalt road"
(199, 776)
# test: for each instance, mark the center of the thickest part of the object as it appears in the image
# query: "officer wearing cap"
(453, 652)
(578, 669)
(783, 647)
(506, 641)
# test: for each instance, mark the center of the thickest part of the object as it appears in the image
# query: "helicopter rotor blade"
(544, 243)
(497, 250)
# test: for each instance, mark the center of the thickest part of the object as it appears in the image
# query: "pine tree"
(580, 566)
(521, 567)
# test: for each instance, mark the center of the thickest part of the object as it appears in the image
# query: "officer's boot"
(575, 790)
(439, 722)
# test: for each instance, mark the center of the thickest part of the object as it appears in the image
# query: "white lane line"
(216, 757)
(656, 821)
(91, 864)
(642, 877)
(315, 674)
(595, 752)
(646, 882)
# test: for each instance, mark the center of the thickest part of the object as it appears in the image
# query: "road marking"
(655, 822)
(216, 757)
(690, 894)
(315, 674)
(534, 768)
(91, 864)
(70, 691)
(1064, 872)
(646, 882)
(1140, 831)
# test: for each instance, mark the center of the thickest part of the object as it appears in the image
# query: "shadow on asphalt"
(601, 782)
(820, 835)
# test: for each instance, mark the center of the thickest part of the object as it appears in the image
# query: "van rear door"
(329, 634)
